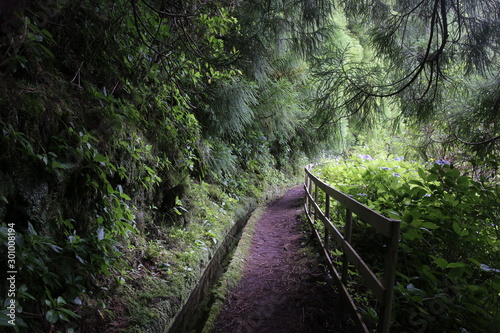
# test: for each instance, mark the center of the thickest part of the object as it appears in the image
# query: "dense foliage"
(435, 62)
(448, 269)
(134, 132)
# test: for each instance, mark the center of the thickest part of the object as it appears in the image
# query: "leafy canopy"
(432, 59)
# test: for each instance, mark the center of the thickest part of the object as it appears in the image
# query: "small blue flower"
(396, 174)
(365, 157)
(399, 159)
(442, 162)
(385, 168)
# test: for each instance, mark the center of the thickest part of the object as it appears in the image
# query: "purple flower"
(385, 168)
(442, 162)
(365, 157)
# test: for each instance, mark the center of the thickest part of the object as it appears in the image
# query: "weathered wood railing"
(382, 290)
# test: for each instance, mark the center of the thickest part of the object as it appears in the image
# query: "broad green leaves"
(449, 250)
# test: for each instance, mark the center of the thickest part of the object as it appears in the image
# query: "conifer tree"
(434, 59)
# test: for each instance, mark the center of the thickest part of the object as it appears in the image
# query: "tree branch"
(477, 143)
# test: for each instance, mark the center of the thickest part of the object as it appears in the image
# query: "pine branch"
(477, 143)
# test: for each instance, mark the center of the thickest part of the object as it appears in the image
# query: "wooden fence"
(382, 290)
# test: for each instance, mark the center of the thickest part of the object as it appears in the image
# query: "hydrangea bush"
(448, 277)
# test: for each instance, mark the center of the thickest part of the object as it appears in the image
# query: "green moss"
(166, 269)
(142, 303)
(234, 271)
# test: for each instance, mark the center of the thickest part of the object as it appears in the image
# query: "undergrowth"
(448, 276)
(120, 168)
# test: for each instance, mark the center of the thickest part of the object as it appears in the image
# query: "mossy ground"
(163, 271)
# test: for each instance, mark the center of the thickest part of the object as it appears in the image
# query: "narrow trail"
(283, 287)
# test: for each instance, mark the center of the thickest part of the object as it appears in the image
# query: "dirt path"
(283, 289)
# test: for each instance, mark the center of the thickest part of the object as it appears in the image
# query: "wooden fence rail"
(382, 290)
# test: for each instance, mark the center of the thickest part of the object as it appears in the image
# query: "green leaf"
(417, 193)
(67, 313)
(427, 272)
(105, 269)
(124, 196)
(453, 173)
(496, 285)
(416, 182)
(463, 182)
(440, 262)
(475, 261)
(63, 316)
(430, 225)
(45, 50)
(456, 273)
(110, 189)
(422, 173)
(100, 158)
(68, 223)
(459, 230)
(52, 316)
(407, 217)
(417, 223)
(456, 265)
(432, 177)
(411, 234)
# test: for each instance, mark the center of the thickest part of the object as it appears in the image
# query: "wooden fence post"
(347, 238)
(391, 258)
(327, 215)
(306, 186)
(310, 192)
(316, 189)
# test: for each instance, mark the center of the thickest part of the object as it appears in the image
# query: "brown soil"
(284, 288)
